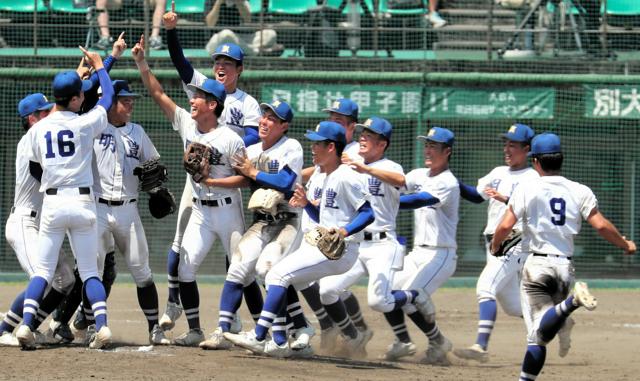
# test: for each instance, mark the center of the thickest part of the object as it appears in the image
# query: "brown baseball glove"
(512, 240)
(195, 158)
(329, 241)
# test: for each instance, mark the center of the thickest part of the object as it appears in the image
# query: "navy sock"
(533, 362)
(312, 296)
(487, 312)
(84, 310)
(276, 298)
(97, 296)
(253, 299)
(399, 328)
(148, 301)
(355, 313)
(229, 303)
(14, 315)
(554, 318)
(191, 302)
(430, 329)
(294, 309)
(64, 311)
(49, 303)
(110, 273)
(338, 313)
(402, 297)
(32, 298)
(173, 260)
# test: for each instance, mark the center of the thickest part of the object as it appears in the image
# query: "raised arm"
(182, 65)
(151, 82)
(93, 59)
(608, 231)
(395, 179)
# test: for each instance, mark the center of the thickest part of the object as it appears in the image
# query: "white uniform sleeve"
(441, 190)
(252, 112)
(518, 202)
(149, 151)
(483, 183)
(236, 147)
(33, 149)
(181, 119)
(354, 189)
(294, 157)
(96, 119)
(589, 202)
(197, 80)
(411, 181)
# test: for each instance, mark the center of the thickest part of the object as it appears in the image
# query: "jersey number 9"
(558, 208)
(66, 147)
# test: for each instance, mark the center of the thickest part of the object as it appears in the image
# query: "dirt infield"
(606, 345)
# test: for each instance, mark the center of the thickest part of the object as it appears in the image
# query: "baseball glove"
(194, 160)
(161, 202)
(265, 201)
(328, 241)
(151, 174)
(512, 240)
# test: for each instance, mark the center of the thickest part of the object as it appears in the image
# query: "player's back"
(553, 208)
(63, 145)
(26, 193)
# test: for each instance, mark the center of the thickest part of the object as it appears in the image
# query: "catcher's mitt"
(151, 174)
(512, 240)
(265, 201)
(161, 202)
(195, 158)
(328, 241)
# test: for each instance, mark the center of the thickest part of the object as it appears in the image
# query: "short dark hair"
(339, 146)
(550, 162)
(24, 122)
(64, 102)
(219, 104)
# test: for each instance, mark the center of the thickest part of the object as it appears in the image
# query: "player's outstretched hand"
(138, 50)
(170, 19)
(119, 46)
(299, 198)
(631, 247)
(92, 58)
(495, 195)
(83, 70)
(242, 164)
(356, 165)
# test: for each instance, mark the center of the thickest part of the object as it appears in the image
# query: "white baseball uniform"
(342, 195)
(500, 278)
(381, 256)
(118, 150)
(269, 237)
(433, 258)
(217, 211)
(551, 209)
(353, 150)
(63, 145)
(22, 225)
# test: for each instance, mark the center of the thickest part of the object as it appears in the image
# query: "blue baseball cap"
(327, 130)
(121, 89)
(377, 125)
(211, 87)
(68, 83)
(32, 103)
(280, 108)
(439, 135)
(545, 143)
(519, 133)
(344, 106)
(230, 50)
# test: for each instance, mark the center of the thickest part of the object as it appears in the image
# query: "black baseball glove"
(161, 202)
(512, 240)
(151, 174)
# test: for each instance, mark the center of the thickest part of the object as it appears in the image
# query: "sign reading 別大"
(603, 101)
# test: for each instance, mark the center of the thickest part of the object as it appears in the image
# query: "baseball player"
(217, 206)
(436, 194)
(120, 148)
(62, 143)
(551, 210)
(343, 206)
(241, 113)
(500, 278)
(22, 225)
(380, 254)
(274, 166)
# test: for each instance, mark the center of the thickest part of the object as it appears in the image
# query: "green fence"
(596, 117)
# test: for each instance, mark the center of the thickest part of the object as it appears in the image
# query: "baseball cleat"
(60, 333)
(80, 322)
(101, 339)
(302, 337)
(157, 337)
(192, 338)
(398, 350)
(216, 341)
(272, 349)
(582, 296)
(355, 347)
(564, 337)
(328, 338)
(304, 353)
(89, 333)
(437, 352)
(26, 338)
(8, 340)
(171, 314)
(236, 324)
(474, 352)
(247, 340)
(424, 304)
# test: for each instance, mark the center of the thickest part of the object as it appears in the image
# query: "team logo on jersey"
(273, 166)
(133, 148)
(495, 183)
(216, 157)
(235, 117)
(317, 193)
(374, 187)
(108, 142)
(330, 199)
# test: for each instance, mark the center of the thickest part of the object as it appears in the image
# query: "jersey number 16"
(66, 147)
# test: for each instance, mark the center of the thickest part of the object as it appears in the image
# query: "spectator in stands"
(592, 23)
(232, 13)
(433, 16)
(104, 6)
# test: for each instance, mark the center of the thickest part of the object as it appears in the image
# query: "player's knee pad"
(329, 294)
(271, 254)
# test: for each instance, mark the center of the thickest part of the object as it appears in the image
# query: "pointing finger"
(173, 6)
